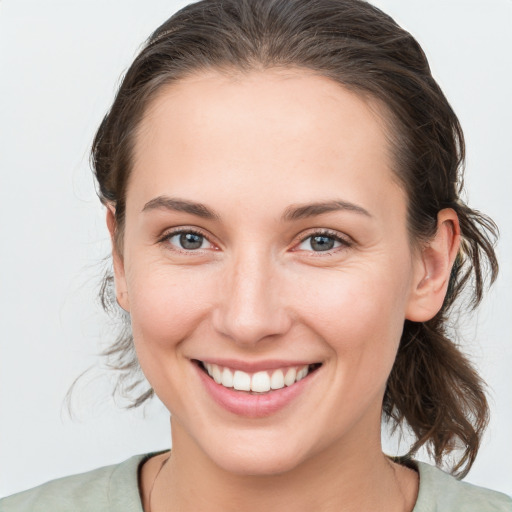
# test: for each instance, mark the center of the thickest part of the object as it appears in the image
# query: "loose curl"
(432, 387)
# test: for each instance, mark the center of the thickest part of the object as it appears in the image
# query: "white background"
(59, 64)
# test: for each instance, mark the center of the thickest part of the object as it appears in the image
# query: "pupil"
(322, 243)
(191, 241)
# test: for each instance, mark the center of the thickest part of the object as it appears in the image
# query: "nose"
(251, 304)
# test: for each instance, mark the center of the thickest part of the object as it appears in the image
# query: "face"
(266, 246)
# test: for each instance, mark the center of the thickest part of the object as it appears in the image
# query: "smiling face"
(266, 241)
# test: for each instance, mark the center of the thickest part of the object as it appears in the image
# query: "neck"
(340, 479)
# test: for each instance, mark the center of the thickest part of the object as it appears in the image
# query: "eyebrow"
(312, 209)
(181, 205)
(291, 213)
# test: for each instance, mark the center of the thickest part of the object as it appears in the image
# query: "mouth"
(257, 383)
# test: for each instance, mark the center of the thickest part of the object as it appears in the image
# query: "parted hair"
(433, 390)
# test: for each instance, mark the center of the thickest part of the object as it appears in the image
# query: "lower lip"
(250, 405)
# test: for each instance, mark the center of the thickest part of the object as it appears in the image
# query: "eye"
(321, 242)
(187, 240)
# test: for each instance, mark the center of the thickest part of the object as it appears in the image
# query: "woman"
(282, 184)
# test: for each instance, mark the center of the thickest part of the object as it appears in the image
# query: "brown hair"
(432, 387)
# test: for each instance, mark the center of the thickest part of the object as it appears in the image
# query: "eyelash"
(183, 231)
(344, 243)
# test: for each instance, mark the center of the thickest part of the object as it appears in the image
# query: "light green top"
(115, 489)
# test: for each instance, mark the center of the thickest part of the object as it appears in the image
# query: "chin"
(258, 458)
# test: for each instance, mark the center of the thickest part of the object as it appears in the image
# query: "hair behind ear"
(436, 390)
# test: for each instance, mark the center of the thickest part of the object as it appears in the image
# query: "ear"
(433, 268)
(118, 262)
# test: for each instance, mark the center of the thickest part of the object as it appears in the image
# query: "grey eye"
(189, 241)
(322, 243)
(319, 243)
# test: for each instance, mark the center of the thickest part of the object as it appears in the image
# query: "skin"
(249, 147)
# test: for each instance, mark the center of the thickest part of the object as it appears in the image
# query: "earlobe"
(118, 262)
(434, 266)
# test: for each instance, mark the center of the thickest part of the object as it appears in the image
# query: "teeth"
(217, 377)
(259, 382)
(241, 380)
(302, 373)
(290, 376)
(227, 378)
(277, 380)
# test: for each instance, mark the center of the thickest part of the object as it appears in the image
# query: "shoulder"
(441, 492)
(109, 488)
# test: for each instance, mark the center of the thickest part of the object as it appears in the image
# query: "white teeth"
(217, 377)
(259, 382)
(277, 380)
(227, 378)
(242, 381)
(302, 373)
(290, 376)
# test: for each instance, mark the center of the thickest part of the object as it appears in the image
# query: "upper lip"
(256, 366)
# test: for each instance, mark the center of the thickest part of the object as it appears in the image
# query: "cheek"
(367, 298)
(166, 304)
(360, 313)
(361, 320)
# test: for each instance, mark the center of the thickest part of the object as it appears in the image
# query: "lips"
(256, 393)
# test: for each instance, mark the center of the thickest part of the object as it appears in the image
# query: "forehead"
(280, 127)
(299, 100)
